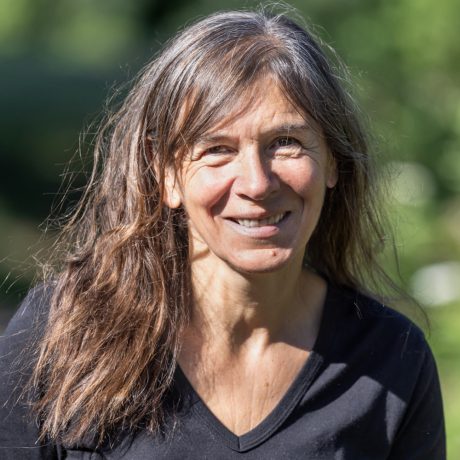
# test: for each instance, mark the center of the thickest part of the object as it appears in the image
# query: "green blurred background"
(61, 59)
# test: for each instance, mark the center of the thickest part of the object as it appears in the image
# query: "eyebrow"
(278, 130)
(287, 128)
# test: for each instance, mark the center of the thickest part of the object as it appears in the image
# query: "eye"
(286, 146)
(286, 141)
(217, 150)
(213, 155)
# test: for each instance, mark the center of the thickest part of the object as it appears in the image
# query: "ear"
(332, 173)
(172, 197)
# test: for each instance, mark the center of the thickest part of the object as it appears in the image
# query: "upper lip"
(265, 215)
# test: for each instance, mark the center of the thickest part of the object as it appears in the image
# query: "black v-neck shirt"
(368, 390)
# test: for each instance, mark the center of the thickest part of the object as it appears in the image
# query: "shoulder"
(378, 343)
(32, 314)
(382, 360)
(24, 331)
(18, 428)
(18, 342)
(374, 321)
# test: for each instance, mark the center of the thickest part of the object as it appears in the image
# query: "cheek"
(305, 178)
(206, 191)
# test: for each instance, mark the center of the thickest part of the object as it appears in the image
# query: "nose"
(256, 180)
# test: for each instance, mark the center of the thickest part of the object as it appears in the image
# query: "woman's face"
(253, 186)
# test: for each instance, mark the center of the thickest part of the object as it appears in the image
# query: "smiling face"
(253, 186)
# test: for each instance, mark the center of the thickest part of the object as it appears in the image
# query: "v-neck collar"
(288, 402)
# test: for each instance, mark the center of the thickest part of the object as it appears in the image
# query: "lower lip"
(265, 231)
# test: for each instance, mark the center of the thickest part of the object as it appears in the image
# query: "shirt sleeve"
(421, 435)
(19, 429)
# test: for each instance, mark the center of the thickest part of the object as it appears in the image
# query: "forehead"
(261, 106)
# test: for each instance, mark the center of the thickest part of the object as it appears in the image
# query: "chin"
(261, 265)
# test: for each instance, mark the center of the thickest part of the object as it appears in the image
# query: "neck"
(232, 310)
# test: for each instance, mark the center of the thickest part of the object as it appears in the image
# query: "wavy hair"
(123, 292)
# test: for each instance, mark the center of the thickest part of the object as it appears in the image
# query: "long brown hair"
(122, 295)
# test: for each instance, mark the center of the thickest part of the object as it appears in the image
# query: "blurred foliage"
(61, 59)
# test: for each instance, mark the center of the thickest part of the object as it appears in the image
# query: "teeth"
(261, 222)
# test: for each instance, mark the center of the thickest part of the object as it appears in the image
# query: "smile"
(250, 223)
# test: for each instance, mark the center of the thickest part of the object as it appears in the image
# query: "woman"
(211, 303)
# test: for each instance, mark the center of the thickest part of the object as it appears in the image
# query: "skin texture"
(266, 162)
(256, 309)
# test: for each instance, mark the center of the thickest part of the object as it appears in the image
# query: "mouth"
(272, 220)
